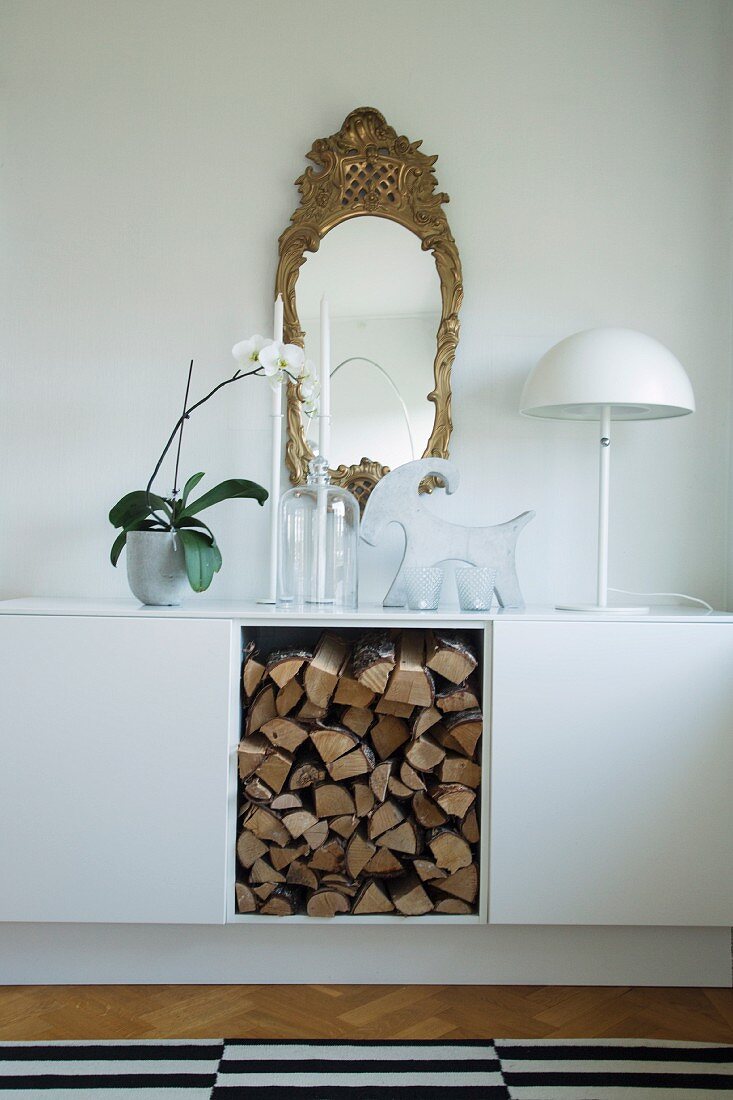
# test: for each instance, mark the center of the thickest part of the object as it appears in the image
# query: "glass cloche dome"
(318, 545)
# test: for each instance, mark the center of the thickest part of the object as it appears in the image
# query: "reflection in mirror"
(385, 306)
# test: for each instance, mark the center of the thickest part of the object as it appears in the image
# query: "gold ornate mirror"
(387, 300)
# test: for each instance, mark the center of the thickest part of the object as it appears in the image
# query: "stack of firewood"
(359, 773)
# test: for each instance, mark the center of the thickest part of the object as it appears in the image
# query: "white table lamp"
(607, 374)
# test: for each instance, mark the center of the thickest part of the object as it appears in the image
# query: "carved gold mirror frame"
(367, 169)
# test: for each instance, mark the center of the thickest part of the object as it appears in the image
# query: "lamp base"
(597, 609)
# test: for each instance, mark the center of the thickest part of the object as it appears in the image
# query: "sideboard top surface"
(369, 614)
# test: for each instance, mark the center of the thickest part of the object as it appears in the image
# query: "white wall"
(149, 155)
(729, 227)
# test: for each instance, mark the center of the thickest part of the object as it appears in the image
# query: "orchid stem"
(236, 377)
(180, 434)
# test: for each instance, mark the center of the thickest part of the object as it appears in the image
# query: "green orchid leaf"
(233, 489)
(203, 559)
(189, 521)
(136, 506)
(117, 547)
(136, 525)
(189, 486)
(216, 557)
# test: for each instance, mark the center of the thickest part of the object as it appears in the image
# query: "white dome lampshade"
(633, 374)
(607, 374)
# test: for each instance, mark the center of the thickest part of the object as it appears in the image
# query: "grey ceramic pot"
(156, 567)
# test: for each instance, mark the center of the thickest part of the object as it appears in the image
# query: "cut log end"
(283, 665)
(324, 669)
(372, 898)
(373, 660)
(410, 896)
(246, 901)
(252, 671)
(451, 656)
(327, 903)
(282, 902)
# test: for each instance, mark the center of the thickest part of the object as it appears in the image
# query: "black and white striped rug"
(509, 1069)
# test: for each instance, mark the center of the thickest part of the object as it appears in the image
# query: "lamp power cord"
(678, 595)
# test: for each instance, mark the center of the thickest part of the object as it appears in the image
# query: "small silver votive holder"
(422, 587)
(475, 587)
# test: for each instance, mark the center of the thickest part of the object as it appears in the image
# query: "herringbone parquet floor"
(364, 1011)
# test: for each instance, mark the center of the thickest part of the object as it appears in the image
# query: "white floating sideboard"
(607, 817)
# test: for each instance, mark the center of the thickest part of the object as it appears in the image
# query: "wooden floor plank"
(722, 1002)
(580, 1002)
(363, 1012)
(431, 1028)
(378, 1007)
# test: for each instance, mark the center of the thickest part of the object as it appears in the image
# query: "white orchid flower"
(271, 360)
(309, 388)
(248, 351)
(293, 359)
(281, 361)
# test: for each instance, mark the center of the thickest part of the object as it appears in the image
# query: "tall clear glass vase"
(318, 545)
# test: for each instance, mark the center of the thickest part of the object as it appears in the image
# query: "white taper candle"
(278, 324)
(324, 446)
(324, 418)
(276, 458)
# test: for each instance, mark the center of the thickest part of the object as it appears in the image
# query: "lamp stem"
(603, 492)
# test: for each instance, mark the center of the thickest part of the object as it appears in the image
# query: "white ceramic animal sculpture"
(430, 540)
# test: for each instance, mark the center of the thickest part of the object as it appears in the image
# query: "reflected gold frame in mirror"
(367, 169)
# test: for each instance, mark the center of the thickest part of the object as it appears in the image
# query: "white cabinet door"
(612, 774)
(113, 769)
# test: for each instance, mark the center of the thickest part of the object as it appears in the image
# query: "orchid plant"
(143, 510)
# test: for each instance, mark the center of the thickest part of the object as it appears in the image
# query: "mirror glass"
(385, 307)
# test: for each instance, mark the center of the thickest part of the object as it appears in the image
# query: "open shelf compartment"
(359, 775)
